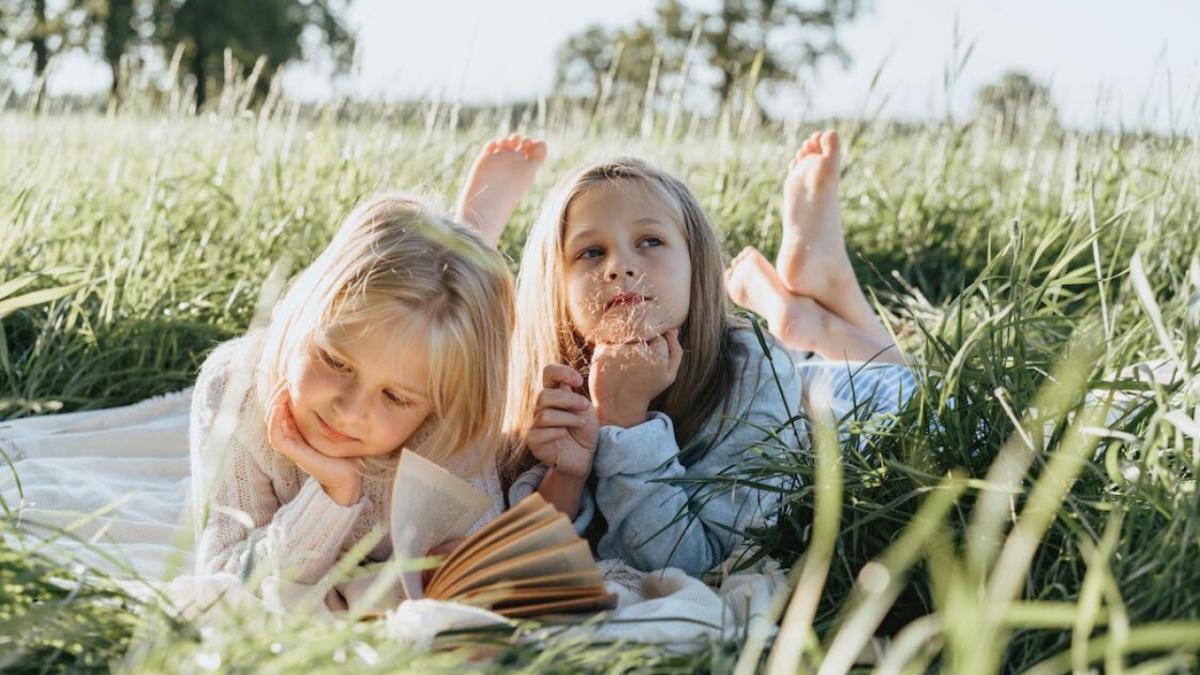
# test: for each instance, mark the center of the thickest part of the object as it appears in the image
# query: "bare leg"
(800, 322)
(812, 255)
(500, 177)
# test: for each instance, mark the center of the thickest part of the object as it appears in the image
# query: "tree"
(586, 59)
(781, 37)
(1012, 100)
(275, 29)
(742, 29)
(114, 27)
(46, 31)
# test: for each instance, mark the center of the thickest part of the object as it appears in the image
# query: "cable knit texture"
(253, 505)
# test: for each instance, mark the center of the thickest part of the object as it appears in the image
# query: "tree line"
(768, 44)
(727, 47)
(201, 31)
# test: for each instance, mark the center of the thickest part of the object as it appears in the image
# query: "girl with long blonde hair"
(632, 382)
(396, 336)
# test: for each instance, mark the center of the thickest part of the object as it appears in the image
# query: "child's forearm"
(562, 490)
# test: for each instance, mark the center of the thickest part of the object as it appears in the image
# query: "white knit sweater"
(253, 505)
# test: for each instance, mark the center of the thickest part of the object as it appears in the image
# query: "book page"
(534, 503)
(564, 581)
(530, 510)
(478, 552)
(572, 557)
(550, 532)
(429, 506)
(529, 596)
(604, 601)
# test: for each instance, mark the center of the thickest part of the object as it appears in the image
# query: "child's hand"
(340, 477)
(626, 377)
(564, 431)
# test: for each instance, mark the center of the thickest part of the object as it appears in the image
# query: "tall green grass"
(999, 523)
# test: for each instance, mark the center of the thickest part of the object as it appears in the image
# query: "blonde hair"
(396, 259)
(545, 334)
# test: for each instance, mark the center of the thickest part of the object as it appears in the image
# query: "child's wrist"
(565, 474)
(345, 496)
(621, 416)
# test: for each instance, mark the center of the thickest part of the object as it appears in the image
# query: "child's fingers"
(541, 437)
(557, 375)
(280, 393)
(277, 431)
(618, 351)
(285, 437)
(544, 443)
(649, 351)
(657, 350)
(563, 400)
(550, 417)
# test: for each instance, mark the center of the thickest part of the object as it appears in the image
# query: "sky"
(1106, 62)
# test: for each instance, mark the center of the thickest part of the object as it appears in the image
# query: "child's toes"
(534, 151)
(830, 143)
(491, 147)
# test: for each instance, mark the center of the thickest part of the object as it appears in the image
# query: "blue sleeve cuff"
(637, 449)
(526, 484)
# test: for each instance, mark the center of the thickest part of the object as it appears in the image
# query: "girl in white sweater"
(396, 336)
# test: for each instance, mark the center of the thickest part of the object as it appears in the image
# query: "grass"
(999, 523)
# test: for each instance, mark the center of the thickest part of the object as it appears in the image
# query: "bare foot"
(812, 254)
(796, 320)
(801, 323)
(500, 177)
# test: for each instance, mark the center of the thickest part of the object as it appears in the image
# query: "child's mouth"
(332, 433)
(625, 300)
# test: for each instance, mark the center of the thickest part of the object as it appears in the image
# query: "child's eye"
(652, 241)
(591, 252)
(333, 363)
(396, 399)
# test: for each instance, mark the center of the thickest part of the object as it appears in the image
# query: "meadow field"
(1005, 523)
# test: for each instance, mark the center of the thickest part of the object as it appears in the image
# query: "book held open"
(527, 561)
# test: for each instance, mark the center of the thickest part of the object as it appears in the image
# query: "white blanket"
(118, 479)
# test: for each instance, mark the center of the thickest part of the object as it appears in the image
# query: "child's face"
(626, 262)
(358, 395)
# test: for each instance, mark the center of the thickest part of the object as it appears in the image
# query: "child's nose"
(619, 265)
(351, 405)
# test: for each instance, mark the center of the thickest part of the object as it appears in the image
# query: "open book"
(526, 562)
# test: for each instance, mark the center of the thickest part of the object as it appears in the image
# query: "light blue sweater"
(657, 516)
